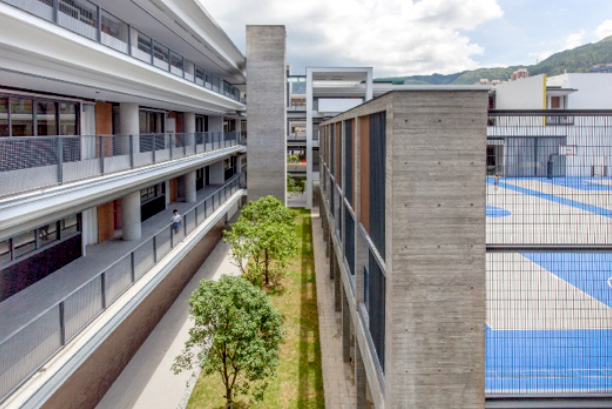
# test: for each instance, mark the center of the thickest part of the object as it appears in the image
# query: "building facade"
(112, 115)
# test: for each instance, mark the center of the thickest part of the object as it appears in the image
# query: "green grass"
(299, 382)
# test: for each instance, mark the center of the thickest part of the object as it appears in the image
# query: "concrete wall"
(88, 384)
(594, 90)
(435, 246)
(526, 93)
(266, 93)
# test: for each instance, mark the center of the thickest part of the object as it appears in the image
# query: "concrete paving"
(338, 377)
(147, 382)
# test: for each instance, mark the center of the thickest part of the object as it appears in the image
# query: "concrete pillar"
(215, 129)
(346, 327)
(129, 124)
(190, 128)
(216, 174)
(190, 187)
(266, 110)
(130, 209)
(361, 382)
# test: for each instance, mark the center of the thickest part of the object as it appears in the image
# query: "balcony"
(39, 321)
(93, 22)
(560, 120)
(28, 163)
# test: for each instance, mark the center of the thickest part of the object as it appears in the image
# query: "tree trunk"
(228, 398)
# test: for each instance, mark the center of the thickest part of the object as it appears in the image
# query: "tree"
(263, 237)
(236, 334)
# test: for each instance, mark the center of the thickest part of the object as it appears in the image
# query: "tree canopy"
(236, 334)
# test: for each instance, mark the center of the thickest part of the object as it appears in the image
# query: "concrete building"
(403, 213)
(112, 114)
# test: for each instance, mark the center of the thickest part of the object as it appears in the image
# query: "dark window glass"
(5, 251)
(376, 310)
(348, 160)
(70, 225)
(22, 120)
(68, 118)
(46, 118)
(349, 240)
(4, 122)
(377, 181)
(47, 234)
(24, 243)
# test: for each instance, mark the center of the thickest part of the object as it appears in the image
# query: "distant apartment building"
(112, 114)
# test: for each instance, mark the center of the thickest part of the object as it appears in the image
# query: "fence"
(28, 163)
(26, 350)
(549, 254)
(91, 21)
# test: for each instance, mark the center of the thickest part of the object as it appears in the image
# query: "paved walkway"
(147, 382)
(338, 378)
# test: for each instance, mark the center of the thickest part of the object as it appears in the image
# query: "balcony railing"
(90, 20)
(28, 163)
(26, 350)
(296, 136)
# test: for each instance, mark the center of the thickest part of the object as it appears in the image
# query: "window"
(377, 181)
(376, 307)
(151, 193)
(5, 251)
(46, 118)
(47, 234)
(68, 118)
(348, 160)
(22, 120)
(70, 225)
(24, 243)
(4, 122)
(349, 240)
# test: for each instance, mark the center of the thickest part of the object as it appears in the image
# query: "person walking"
(177, 221)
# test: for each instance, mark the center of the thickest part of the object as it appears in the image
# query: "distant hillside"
(580, 59)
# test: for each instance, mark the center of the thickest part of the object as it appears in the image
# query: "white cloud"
(574, 40)
(395, 36)
(604, 30)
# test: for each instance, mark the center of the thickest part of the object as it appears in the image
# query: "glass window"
(5, 251)
(46, 118)
(22, 120)
(68, 118)
(47, 234)
(24, 243)
(4, 124)
(70, 225)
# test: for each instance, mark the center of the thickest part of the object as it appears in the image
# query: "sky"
(409, 37)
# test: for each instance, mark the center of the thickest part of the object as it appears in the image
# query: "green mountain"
(580, 59)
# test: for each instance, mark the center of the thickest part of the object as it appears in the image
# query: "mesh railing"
(549, 254)
(28, 163)
(26, 350)
(89, 20)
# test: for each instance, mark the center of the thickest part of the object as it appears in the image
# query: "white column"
(130, 207)
(129, 124)
(216, 174)
(190, 187)
(190, 128)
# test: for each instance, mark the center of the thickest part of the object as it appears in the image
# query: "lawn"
(299, 383)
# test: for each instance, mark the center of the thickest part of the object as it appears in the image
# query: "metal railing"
(91, 21)
(296, 136)
(28, 163)
(549, 255)
(27, 349)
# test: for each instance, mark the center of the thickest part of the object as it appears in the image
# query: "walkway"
(147, 382)
(338, 378)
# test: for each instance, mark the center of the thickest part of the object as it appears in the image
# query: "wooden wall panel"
(106, 222)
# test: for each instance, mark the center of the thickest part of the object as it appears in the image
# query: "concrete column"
(190, 187)
(361, 382)
(190, 128)
(346, 327)
(129, 124)
(215, 128)
(216, 174)
(309, 138)
(130, 208)
(267, 112)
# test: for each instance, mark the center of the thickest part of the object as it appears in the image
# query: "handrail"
(232, 184)
(97, 24)
(70, 158)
